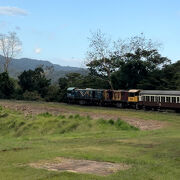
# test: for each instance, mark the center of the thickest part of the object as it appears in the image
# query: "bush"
(7, 86)
(124, 125)
(32, 96)
(47, 114)
(34, 80)
(118, 124)
(52, 93)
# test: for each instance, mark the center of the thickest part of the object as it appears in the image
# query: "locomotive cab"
(71, 94)
(133, 95)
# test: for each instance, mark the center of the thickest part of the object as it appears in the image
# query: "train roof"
(74, 88)
(133, 90)
(71, 88)
(160, 92)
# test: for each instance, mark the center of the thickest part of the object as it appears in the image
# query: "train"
(133, 98)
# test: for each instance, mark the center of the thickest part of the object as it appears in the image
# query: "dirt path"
(37, 108)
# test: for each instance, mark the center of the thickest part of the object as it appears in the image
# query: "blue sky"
(57, 30)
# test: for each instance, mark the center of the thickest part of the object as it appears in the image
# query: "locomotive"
(133, 98)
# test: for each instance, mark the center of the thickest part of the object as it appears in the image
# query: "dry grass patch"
(81, 166)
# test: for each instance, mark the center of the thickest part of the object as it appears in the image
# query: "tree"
(7, 86)
(137, 68)
(105, 57)
(129, 75)
(10, 46)
(100, 59)
(34, 80)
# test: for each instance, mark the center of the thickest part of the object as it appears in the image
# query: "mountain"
(17, 66)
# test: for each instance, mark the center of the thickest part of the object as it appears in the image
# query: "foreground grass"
(152, 154)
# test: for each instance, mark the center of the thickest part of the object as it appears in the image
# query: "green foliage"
(7, 86)
(47, 114)
(118, 124)
(124, 126)
(31, 96)
(141, 69)
(46, 123)
(34, 80)
(52, 93)
(129, 75)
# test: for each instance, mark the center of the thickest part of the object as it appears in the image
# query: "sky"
(58, 30)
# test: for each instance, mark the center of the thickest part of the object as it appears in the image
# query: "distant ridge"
(19, 65)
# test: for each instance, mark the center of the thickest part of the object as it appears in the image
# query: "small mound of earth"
(81, 166)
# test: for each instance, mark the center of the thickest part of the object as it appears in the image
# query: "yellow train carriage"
(133, 95)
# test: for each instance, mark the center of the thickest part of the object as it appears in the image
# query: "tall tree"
(139, 70)
(105, 57)
(10, 46)
(100, 59)
(7, 86)
(34, 80)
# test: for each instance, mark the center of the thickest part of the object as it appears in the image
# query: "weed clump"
(2, 114)
(88, 117)
(124, 125)
(69, 128)
(61, 117)
(111, 122)
(46, 114)
(70, 117)
(118, 124)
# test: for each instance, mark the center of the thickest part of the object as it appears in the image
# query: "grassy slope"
(152, 154)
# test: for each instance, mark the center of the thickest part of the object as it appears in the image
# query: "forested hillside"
(17, 66)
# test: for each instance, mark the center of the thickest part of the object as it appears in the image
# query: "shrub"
(111, 122)
(7, 86)
(52, 93)
(46, 114)
(32, 96)
(124, 125)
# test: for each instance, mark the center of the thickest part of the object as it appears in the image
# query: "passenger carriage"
(159, 99)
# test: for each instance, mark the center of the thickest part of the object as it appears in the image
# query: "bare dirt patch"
(34, 109)
(81, 166)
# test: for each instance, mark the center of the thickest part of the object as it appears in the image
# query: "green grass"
(153, 154)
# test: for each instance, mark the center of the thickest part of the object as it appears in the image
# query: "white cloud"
(38, 50)
(12, 11)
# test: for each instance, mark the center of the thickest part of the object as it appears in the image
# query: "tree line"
(133, 63)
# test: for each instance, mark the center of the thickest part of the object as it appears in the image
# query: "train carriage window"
(178, 99)
(143, 98)
(157, 99)
(147, 98)
(173, 99)
(162, 99)
(168, 99)
(136, 94)
(131, 94)
(152, 98)
(93, 94)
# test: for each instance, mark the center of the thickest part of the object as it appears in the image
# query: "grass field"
(31, 132)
